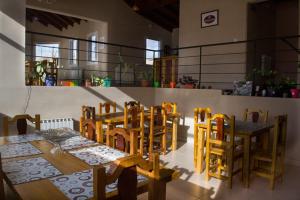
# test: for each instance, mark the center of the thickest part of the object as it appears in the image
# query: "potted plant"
(107, 82)
(146, 79)
(288, 87)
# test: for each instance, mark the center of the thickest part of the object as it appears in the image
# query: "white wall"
(12, 43)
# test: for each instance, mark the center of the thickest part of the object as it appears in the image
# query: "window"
(73, 53)
(92, 48)
(46, 51)
(153, 45)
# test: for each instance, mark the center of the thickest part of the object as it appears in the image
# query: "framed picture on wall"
(210, 18)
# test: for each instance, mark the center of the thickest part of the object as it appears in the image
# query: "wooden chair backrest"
(126, 174)
(133, 117)
(89, 129)
(88, 112)
(216, 130)
(157, 117)
(2, 191)
(130, 104)
(21, 121)
(256, 115)
(280, 133)
(201, 114)
(122, 139)
(170, 107)
(107, 107)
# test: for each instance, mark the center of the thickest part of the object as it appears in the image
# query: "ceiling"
(46, 18)
(165, 13)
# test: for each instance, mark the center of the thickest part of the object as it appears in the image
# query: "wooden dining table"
(244, 129)
(67, 164)
(117, 118)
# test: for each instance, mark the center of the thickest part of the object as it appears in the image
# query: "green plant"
(96, 80)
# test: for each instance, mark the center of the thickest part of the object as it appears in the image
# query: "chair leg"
(207, 168)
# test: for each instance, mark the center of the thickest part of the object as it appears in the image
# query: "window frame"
(71, 51)
(159, 43)
(89, 61)
(36, 44)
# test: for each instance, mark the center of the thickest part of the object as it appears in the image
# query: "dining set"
(116, 152)
(224, 146)
(115, 155)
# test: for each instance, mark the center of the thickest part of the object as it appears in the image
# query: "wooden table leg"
(174, 134)
(246, 170)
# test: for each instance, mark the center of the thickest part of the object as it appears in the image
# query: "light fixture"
(135, 7)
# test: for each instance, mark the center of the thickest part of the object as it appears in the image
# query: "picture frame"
(210, 18)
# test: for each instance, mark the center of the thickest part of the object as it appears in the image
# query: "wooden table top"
(44, 189)
(247, 128)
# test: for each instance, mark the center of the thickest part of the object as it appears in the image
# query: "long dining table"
(117, 118)
(244, 129)
(64, 164)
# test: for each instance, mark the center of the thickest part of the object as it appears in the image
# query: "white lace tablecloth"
(27, 170)
(23, 138)
(80, 184)
(98, 155)
(17, 150)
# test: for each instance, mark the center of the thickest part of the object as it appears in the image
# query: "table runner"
(23, 138)
(17, 150)
(79, 185)
(27, 170)
(76, 142)
(98, 155)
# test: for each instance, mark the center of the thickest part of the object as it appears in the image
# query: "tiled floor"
(192, 186)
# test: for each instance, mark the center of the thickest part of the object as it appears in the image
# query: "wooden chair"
(130, 104)
(170, 111)
(90, 129)
(2, 191)
(122, 139)
(270, 163)
(126, 173)
(220, 148)
(87, 112)
(158, 128)
(200, 127)
(104, 109)
(21, 121)
(107, 107)
(256, 115)
(134, 120)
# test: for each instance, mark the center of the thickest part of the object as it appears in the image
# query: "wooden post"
(157, 187)
(133, 143)
(195, 137)
(99, 177)
(38, 122)
(5, 126)
(81, 126)
(99, 131)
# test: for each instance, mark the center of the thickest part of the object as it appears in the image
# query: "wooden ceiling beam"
(51, 20)
(61, 20)
(148, 5)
